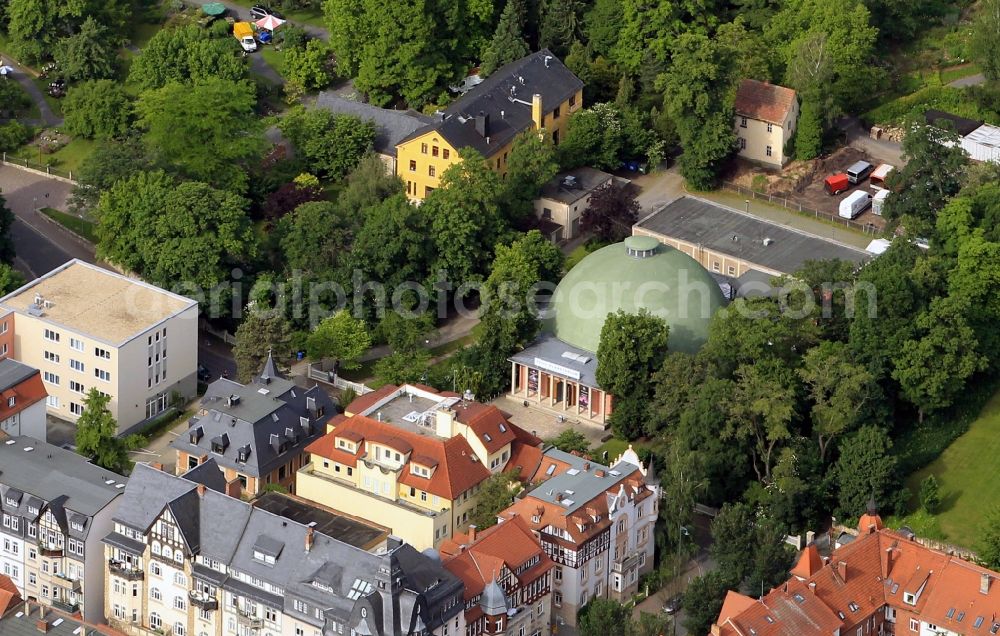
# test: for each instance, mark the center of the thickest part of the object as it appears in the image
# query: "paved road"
(883, 150)
(260, 66)
(244, 13)
(49, 119)
(972, 80)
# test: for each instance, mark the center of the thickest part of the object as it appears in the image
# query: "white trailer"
(854, 204)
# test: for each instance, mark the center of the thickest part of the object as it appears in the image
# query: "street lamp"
(746, 203)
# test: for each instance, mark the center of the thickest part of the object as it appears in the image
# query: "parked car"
(854, 204)
(673, 604)
(836, 183)
(259, 11)
(859, 171)
(204, 375)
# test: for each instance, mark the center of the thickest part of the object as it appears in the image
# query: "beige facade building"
(766, 117)
(411, 459)
(563, 200)
(86, 327)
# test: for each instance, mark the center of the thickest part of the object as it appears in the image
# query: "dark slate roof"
(587, 180)
(353, 531)
(17, 623)
(505, 97)
(13, 373)
(714, 226)
(391, 126)
(148, 492)
(962, 125)
(63, 480)
(221, 511)
(265, 417)
(123, 542)
(209, 474)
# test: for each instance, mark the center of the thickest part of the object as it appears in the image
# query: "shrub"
(930, 494)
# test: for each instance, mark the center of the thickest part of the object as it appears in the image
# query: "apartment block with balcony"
(186, 560)
(86, 327)
(596, 524)
(536, 92)
(507, 577)
(56, 507)
(411, 459)
(257, 432)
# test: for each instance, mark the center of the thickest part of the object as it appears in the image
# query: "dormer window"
(76, 525)
(487, 437)
(420, 471)
(909, 599)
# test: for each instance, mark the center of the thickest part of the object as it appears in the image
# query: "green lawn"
(66, 159)
(83, 227)
(966, 473)
(312, 17)
(958, 72)
(274, 58)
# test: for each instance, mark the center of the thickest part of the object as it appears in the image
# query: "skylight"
(358, 589)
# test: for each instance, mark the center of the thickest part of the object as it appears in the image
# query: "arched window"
(180, 579)
(155, 621)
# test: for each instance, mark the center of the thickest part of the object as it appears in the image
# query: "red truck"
(836, 183)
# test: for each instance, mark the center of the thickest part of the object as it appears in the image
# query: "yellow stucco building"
(536, 92)
(412, 460)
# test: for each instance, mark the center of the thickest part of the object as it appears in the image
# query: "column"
(513, 378)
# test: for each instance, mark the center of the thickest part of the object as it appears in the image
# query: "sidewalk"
(654, 604)
(26, 79)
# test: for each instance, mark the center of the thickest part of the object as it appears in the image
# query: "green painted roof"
(667, 282)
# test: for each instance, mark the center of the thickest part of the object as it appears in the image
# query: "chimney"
(42, 625)
(309, 539)
(233, 489)
(156, 465)
(483, 124)
(886, 563)
(600, 473)
(812, 586)
(472, 533)
(41, 611)
(311, 406)
(586, 466)
(984, 583)
(536, 111)
(842, 570)
(201, 491)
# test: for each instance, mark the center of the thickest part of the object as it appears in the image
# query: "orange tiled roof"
(458, 468)
(368, 400)
(24, 393)
(808, 564)
(764, 101)
(9, 596)
(868, 574)
(487, 422)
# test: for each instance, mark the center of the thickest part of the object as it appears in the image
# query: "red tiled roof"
(9, 596)
(764, 101)
(809, 562)
(458, 468)
(25, 393)
(487, 422)
(369, 400)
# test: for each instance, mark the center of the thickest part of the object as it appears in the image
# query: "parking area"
(802, 183)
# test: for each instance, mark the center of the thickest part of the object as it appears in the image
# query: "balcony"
(73, 583)
(49, 549)
(624, 565)
(203, 600)
(251, 621)
(125, 570)
(70, 607)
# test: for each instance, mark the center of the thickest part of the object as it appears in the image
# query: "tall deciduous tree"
(631, 349)
(932, 368)
(612, 212)
(603, 616)
(315, 238)
(341, 337)
(309, 67)
(495, 494)
(97, 435)
(984, 38)
(762, 409)
(206, 131)
(532, 162)
(10, 279)
(332, 144)
(186, 54)
(261, 333)
(7, 251)
(508, 43)
(838, 389)
(988, 545)
(703, 600)
(466, 218)
(98, 109)
(866, 468)
(392, 246)
(108, 163)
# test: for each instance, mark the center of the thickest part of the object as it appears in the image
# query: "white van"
(854, 204)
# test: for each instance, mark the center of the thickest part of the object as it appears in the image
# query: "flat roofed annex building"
(257, 433)
(56, 508)
(766, 117)
(736, 245)
(596, 524)
(411, 459)
(86, 327)
(186, 560)
(22, 400)
(535, 92)
(563, 200)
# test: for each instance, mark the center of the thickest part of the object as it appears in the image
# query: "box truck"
(836, 183)
(854, 204)
(243, 32)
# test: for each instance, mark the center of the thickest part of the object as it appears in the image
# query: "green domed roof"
(639, 273)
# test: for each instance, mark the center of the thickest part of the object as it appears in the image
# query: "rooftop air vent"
(641, 246)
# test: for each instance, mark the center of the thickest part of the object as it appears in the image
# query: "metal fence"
(804, 210)
(316, 372)
(31, 166)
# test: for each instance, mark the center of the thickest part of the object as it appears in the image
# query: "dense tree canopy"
(98, 109)
(186, 54)
(332, 144)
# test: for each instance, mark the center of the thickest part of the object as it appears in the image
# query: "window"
(413, 165)
(76, 365)
(743, 122)
(179, 629)
(154, 593)
(731, 270)
(914, 625)
(555, 113)
(75, 344)
(546, 213)
(155, 569)
(11, 401)
(715, 266)
(3, 327)
(768, 151)
(557, 599)
(75, 408)
(101, 374)
(770, 127)
(52, 357)
(51, 378)
(434, 151)
(50, 335)
(155, 621)
(180, 603)
(423, 149)
(445, 153)
(742, 143)
(572, 101)
(76, 387)
(52, 401)
(558, 573)
(431, 172)
(102, 353)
